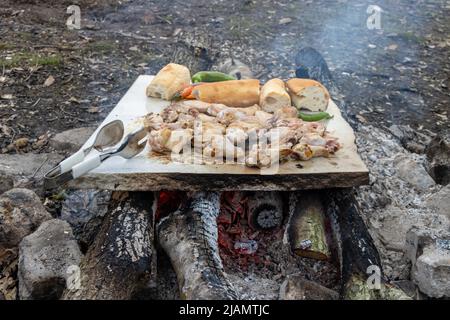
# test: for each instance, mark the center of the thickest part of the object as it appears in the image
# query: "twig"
(71, 114)
(39, 168)
(35, 104)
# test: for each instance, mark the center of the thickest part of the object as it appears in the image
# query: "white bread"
(169, 80)
(274, 96)
(232, 93)
(308, 94)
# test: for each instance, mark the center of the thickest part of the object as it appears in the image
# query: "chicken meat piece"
(263, 156)
(204, 131)
(264, 118)
(284, 135)
(236, 135)
(179, 139)
(286, 113)
(328, 142)
(219, 148)
(215, 109)
(153, 121)
(302, 152)
(157, 139)
(165, 140)
(205, 118)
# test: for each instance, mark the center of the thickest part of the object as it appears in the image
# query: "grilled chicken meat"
(250, 135)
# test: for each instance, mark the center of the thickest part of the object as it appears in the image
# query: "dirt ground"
(397, 74)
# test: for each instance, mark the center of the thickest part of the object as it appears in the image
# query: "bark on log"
(195, 51)
(265, 210)
(359, 258)
(120, 261)
(306, 232)
(189, 237)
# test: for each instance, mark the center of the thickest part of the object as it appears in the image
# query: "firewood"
(265, 210)
(305, 232)
(194, 50)
(189, 237)
(119, 262)
(358, 254)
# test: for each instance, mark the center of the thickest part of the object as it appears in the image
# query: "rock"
(6, 183)
(84, 211)
(295, 287)
(410, 139)
(431, 272)
(440, 202)
(438, 159)
(285, 21)
(419, 238)
(47, 258)
(21, 212)
(71, 140)
(27, 164)
(8, 273)
(390, 228)
(413, 173)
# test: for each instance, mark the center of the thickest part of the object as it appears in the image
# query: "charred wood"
(189, 237)
(120, 261)
(265, 210)
(361, 269)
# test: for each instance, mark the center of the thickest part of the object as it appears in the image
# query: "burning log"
(265, 210)
(119, 262)
(189, 237)
(305, 232)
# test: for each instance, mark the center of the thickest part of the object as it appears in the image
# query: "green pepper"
(211, 76)
(316, 116)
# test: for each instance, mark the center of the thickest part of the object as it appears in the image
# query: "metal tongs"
(106, 143)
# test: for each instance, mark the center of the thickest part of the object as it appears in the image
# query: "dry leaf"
(50, 80)
(7, 96)
(392, 47)
(21, 142)
(93, 110)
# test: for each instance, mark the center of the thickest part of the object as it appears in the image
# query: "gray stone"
(438, 159)
(431, 272)
(417, 239)
(21, 212)
(413, 173)
(440, 201)
(84, 211)
(411, 139)
(27, 164)
(47, 259)
(296, 287)
(6, 183)
(71, 140)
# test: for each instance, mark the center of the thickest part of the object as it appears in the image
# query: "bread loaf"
(274, 96)
(308, 94)
(169, 80)
(232, 93)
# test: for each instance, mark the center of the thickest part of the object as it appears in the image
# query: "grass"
(31, 59)
(102, 46)
(6, 46)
